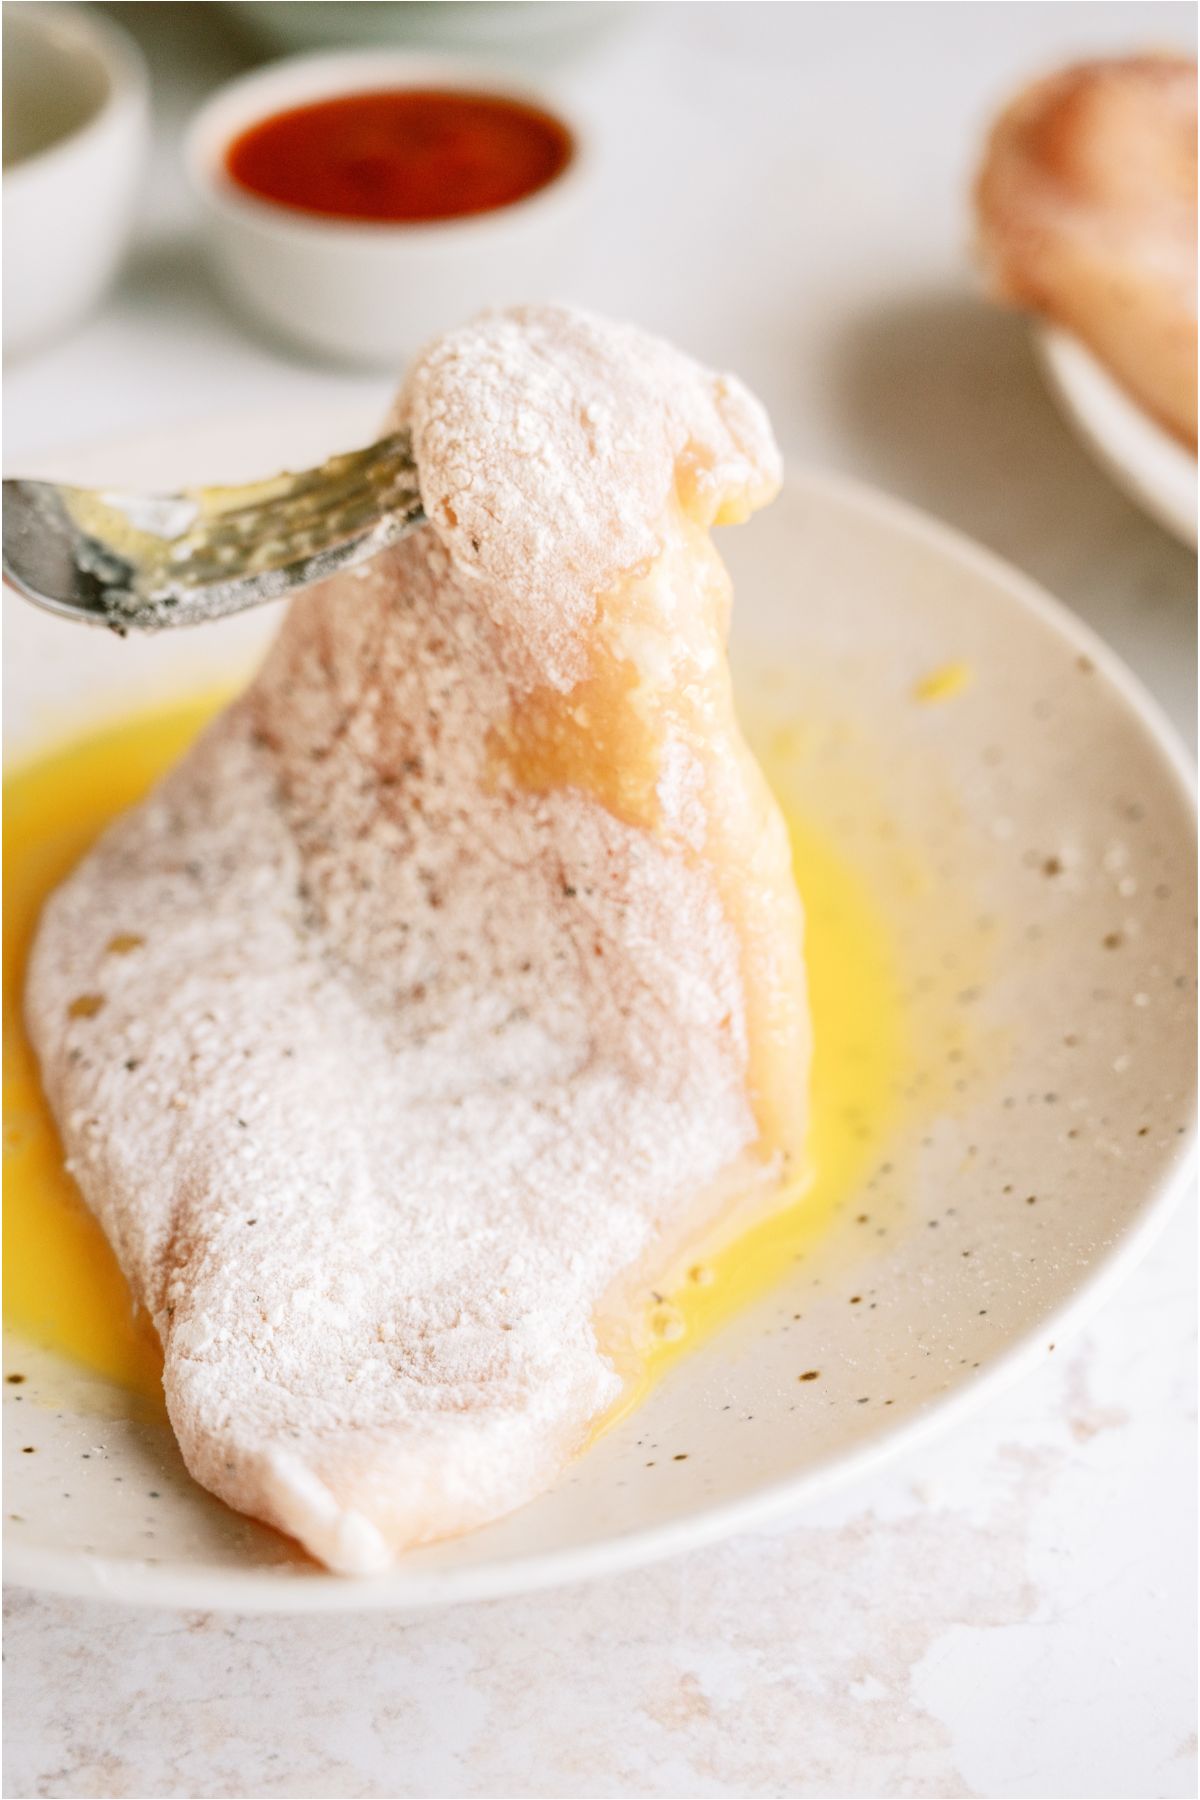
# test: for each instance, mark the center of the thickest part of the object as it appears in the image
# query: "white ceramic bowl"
(75, 132)
(368, 292)
(1154, 468)
(540, 27)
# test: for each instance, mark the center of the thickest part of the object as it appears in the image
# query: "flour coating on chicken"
(457, 967)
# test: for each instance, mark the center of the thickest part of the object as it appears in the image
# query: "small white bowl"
(75, 133)
(363, 291)
(502, 26)
(1154, 468)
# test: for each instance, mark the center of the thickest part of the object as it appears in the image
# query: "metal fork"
(142, 562)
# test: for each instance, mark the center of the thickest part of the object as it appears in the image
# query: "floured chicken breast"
(455, 976)
(1087, 212)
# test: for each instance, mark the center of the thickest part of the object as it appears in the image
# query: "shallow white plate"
(1153, 467)
(1030, 838)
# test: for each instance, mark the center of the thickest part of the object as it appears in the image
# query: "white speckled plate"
(1030, 836)
(1153, 467)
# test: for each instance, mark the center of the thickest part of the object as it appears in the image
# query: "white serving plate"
(1032, 839)
(1153, 467)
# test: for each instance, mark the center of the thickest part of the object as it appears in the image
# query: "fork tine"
(145, 562)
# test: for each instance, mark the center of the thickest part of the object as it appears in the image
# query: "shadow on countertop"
(173, 278)
(944, 401)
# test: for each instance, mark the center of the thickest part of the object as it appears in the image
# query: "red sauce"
(407, 155)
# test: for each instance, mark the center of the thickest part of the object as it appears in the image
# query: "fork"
(144, 562)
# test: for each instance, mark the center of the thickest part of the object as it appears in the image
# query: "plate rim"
(131, 1581)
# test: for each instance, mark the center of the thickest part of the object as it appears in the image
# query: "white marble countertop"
(1008, 1612)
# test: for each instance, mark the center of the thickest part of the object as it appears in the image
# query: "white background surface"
(1012, 1611)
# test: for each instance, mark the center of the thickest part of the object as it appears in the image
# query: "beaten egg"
(62, 1285)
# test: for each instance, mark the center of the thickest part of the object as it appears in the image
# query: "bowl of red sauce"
(359, 202)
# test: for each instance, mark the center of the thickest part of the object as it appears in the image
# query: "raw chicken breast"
(454, 978)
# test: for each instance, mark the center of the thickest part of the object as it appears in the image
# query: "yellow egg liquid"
(62, 1285)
